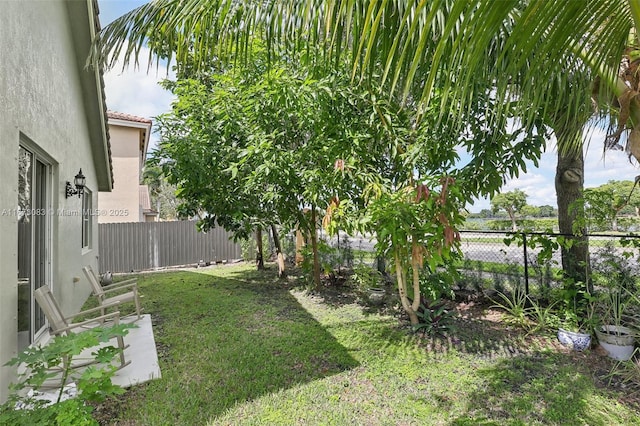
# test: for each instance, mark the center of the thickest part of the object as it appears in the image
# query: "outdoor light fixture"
(78, 181)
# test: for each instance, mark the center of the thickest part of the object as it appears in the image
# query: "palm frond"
(541, 53)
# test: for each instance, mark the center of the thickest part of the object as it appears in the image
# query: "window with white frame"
(86, 218)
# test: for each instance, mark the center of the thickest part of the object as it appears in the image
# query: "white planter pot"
(573, 340)
(618, 341)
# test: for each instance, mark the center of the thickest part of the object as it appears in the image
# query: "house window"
(86, 218)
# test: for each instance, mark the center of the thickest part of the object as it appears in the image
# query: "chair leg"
(121, 346)
(137, 305)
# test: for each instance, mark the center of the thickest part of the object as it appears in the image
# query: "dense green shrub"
(538, 225)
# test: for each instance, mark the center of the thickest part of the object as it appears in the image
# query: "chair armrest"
(120, 283)
(133, 286)
(112, 315)
(87, 311)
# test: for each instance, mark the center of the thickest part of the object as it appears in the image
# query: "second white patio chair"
(114, 294)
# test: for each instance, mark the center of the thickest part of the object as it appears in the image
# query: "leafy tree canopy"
(512, 202)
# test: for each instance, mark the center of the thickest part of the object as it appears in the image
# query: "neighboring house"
(53, 124)
(128, 201)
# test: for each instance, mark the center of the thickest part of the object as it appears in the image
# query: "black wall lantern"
(79, 181)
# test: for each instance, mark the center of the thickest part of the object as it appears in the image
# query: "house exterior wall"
(122, 204)
(45, 105)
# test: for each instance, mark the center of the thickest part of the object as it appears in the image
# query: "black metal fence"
(505, 260)
(498, 260)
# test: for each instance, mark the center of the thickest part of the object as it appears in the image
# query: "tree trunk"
(259, 253)
(381, 265)
(415, 267)
(569, 183)
(568, 125)
(514, 226)
(279, 254)
(402, 290)
(314, 248)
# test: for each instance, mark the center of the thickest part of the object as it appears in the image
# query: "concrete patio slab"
(141, 352)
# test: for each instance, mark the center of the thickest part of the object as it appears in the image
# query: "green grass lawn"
(240, 347)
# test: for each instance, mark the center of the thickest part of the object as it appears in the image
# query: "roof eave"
(137, 125)
(91, 80)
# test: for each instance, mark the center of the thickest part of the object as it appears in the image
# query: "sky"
(136, 91)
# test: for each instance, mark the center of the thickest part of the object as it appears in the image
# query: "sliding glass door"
(34, 249)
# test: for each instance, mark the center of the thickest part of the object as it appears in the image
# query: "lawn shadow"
(537, 388)
(379, 324)
(471, 333)
(482, 338)
(227, 339)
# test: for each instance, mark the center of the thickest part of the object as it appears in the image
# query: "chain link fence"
(506, 260)
(498, 261)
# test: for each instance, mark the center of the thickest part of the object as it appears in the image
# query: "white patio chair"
(114, 294)
(60, 325)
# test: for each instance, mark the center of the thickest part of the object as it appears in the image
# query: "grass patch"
(239, 347)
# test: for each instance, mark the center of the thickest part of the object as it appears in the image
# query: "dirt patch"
(479, 322)
(107, 413)
(481, 330)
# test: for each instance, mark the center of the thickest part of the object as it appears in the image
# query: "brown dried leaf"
(633, 144)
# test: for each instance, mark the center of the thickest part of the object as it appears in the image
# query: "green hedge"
(539, 225)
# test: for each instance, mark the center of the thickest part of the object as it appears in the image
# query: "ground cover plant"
(56, 362)
(238, 346)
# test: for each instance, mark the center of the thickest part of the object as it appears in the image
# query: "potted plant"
(614, 337)
(573, 335)
(369, 281)
(575, 330)
(617, 276)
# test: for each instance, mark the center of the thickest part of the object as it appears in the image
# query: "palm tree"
(443, 44)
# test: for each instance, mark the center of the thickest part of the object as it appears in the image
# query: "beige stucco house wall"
(53, 123)
(128, 201)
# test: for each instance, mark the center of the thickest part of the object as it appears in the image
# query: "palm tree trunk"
(569, 184)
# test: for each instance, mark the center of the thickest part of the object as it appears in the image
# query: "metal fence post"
(526, 264)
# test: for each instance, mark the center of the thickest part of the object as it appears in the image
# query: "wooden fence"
(127, 247)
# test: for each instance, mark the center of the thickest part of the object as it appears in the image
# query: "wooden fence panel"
(126, 247)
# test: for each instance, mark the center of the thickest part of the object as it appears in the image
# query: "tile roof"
(145, 199)
(127, 117)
